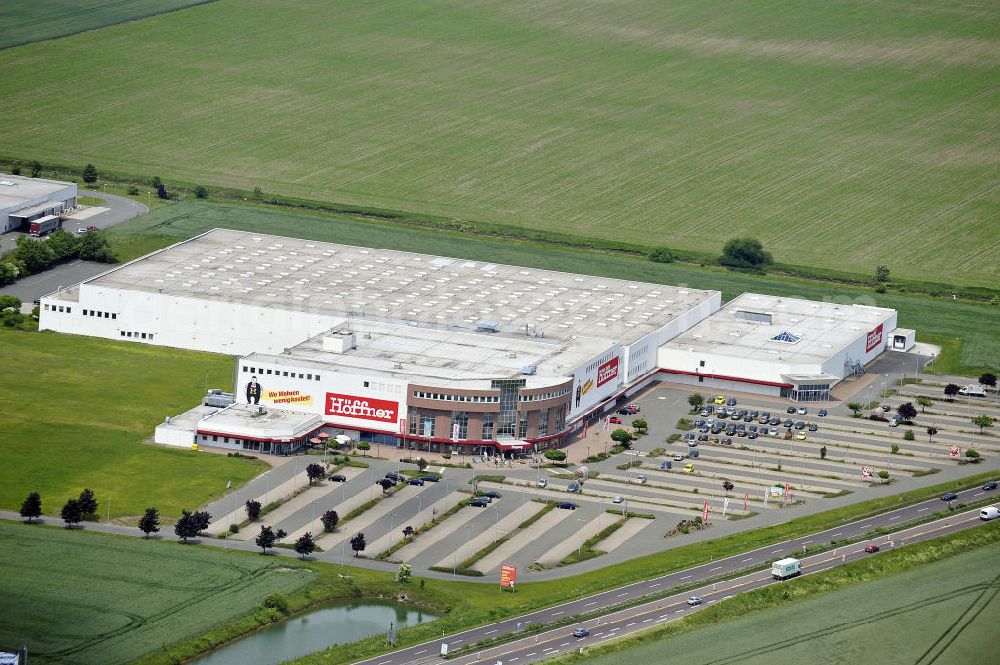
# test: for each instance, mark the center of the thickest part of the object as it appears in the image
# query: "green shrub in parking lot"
(556, 455)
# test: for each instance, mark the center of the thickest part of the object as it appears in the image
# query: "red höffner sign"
(365, 408)
(607, 371)
(874, 338)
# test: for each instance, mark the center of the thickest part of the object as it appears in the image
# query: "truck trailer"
(786, 568)
(43, 226)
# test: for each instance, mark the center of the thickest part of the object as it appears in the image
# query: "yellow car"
(719, 399)
(801, 436)
(689, 468)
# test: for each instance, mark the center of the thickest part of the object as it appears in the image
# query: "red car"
(615, 420)
(871, 549)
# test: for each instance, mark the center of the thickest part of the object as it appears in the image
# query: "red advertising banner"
(364, 408)
(508, 574)
(704, 514)
(746, 499)
(874, 338)
(402, 425)
(607, 372)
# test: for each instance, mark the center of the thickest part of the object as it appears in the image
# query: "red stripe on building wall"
(723, 377)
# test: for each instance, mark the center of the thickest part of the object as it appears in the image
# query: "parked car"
(641, 480)
(727, 442)
(567, 505)
(581, 632)
(704, 412)
(703, 437)
(886, 408)
(813, 427)
(573, 487)
(493, 494)
(395, 477)
(894, 422)
(615, 420)
(415, 481)
(800, 425)
(801, 436)
(430, 479)
(802, 411)
(689, 468)
(678, 457)
(692, 444)
(949, 496)
(338, 478)
(774, 421)
(693, 454)
(479, 503)
(617, 499)
(719, 399)
(790, 409)
(694, 600)
(542, 482)
(821, 413)
(666, 464)
(731, 401)
(752, 435)
(773, 431)
(635, 408)
(871, 548)
(991, 485)
(788, 422)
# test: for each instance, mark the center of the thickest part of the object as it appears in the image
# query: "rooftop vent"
(529, 369)
(339, 341)
(487, 325)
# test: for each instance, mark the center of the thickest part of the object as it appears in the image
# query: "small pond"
(331, 624)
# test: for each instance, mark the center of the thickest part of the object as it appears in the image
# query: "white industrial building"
(782, 346)
(394, 347)
(23, 200)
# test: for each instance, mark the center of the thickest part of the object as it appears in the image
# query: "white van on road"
(972, 390)
(989, 513)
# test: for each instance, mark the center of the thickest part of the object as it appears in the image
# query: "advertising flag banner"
(725, 506)
(786, 492)
(607, 423)
(508, 575)
(955, 451)
(766, 493)
(402, 425)
(867, 472)
(746, 499)
(586, 425)
(704, 513)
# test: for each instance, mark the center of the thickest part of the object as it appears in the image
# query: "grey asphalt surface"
(698, 578)
(119, 210)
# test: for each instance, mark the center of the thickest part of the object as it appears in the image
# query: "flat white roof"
(746, 327)
(434, 356)
(403, 287)
(15, 189)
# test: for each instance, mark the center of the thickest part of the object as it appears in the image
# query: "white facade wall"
(586, 391)
(187, 323)
(725, 365)
(641, 357)
(858, 351)
(313, 396)
(710, 385)
(66, 196)
(168, 435)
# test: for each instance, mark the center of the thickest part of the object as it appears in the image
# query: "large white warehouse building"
(24, 200)
(385, 345)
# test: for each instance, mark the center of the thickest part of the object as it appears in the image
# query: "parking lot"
(630, 503)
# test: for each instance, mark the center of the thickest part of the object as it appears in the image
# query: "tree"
(150, 521)
(894, 448)
(822, 452)
(386, 484)
(200, 192)
(90, 174)
(157, 182)
(315, 472)
(8, 272)
(982, 421)
(404, 574)
(72, 513)
(696, 400)
(253, 509)
(745, 253)
(907, 411)
(32, 507)
(161, 192)
(358, 543)
(266, 538)
(973, 455)
(15, 169)
(931, 431)
(305, 545)
(408, 532)
(908, 435)
(661, 255)
(727, 486)
(640, 425)
(63, 245)
(951, 390)
(133, 190)
(884, 475)
(186, 526)
(201, 520)
(10, 302)
(88, 504)
(33, 255)
(622, 437)
(36, 169)
(330, 519)
(364, 446)
(881, 274)
(856, 407)
(988, 379)
(924, 402)
(421, 463)
(94, 246)
(555, 455)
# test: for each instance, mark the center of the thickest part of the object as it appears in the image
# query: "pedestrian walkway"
(239, 499)
(386, 505)
(436, 535)
(520, 540)
(439, 507)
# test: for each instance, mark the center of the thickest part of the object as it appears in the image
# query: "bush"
(200, 192)
(908, 435)
(745, 253)
(555, 455)
(234, 528)
(276, 601)
(133, 190)
(661, 255)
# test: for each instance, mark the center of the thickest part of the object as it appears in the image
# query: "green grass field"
(86, 599)
(941, 612)
(75, 410)
(936, 319)
(842, 134)
(37, 20)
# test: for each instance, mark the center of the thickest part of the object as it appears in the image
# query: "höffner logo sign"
(874, 338)
(607, 371)
(365, 408)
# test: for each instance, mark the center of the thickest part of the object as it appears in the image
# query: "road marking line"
(865, 526)
(749, 558)
(490, 631)
(653, 586)
(591, 603)
(529, 655)
(716, 568)
(514, 658)
(564, 644)
(775, 551)
(623, 594)
(920, 510)
(555, 614)
(630, 624)
(894, 517)
(384, 662)
(726, 597)
(678, 611)
(685, 577)
(646, 620)
(806, 542)
(836, 534)
(417, 653)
